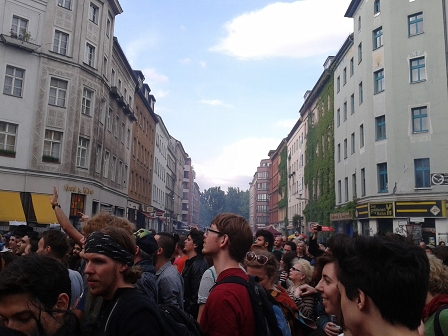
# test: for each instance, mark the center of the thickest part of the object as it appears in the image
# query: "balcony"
(128, 109)
(18, 43)
(115, 92)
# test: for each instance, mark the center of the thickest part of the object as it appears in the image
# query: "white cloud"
(135, 48)
(286, 123)
(202, 64)
(185, 61)
(152, 77)
(214, 102)
(235, 165)
(160, 93)
(299, 29)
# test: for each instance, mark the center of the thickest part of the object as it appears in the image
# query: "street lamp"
(309, 202)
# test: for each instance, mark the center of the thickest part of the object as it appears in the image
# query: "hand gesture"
(54, 197)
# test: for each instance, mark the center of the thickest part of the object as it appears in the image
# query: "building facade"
(260, 200)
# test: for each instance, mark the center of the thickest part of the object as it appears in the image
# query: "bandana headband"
(101, 243)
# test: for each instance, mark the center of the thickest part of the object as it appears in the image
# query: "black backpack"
(265, 319)
(178, 322)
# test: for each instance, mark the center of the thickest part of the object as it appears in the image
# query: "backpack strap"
(437, 327)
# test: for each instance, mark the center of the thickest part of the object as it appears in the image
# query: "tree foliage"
(215, 201)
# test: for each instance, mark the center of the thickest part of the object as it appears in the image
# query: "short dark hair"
(58, 242)
(293, 245)
(386, 267)
(238, 230)
(41, 277)
(198, 239)
(34, 241)
(268, 237)
(167, 241)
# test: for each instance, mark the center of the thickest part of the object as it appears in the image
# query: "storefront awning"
(11, 207)
(147, 215)
(42, 209)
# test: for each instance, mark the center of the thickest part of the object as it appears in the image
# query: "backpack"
(437, 327)
(178, 322)
(269, 319)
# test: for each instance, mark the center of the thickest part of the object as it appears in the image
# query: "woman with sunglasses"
(300, 274)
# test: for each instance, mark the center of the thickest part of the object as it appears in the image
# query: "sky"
(229, 76)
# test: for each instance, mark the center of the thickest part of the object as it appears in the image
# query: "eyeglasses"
(261, 259)
(295, 269)
(207, 230)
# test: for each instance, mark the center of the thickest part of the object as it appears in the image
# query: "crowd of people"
(111, 279)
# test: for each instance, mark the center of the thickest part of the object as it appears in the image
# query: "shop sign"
(381, 210)
(341, 216)
(362, 211)
(77, 190)
(439, 179)
(423, 209)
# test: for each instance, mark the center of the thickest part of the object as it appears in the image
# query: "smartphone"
(318, 227)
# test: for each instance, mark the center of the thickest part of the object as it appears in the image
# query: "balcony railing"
(18, 43)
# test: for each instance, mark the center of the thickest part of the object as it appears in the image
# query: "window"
(382, 177)
(262, 208)
(361, 135)
(8, 134)
(120, 172)
(346, 188)
(380, 127)
(363, 181)
(52, 145)
(114, 168)
(339, 152)
(361, 93)
(106, 164)
(360, 53)
(108, 25)
(58, 92)
(344, 75)
(345, 111)
(116, 130)
(345, 148)
(123, 126)
(376, 7)
(128, 139)
(109, 119)
(355, 193)
(90, 55)
(378, 38)
(19, 27)
(65, 3)
(99, 148)
(338, 117)
(352, 141)
(60, 42)
(422, 175)
(77, 203)
(339, 192)
(263, 175)
(262, 197)
(125, 175)
(87, 96)
(352, 104)
(378, 83)
(417, 70)
(338, 84)
(420, 119)
(352, 67)
(105, 66)
(13, 81)
(93, 13)
(415, 24)
(359, 24)
(83, 151)
(112, 78)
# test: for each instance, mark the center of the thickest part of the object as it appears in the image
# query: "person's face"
(287, 248)
(296, 273)
(22, 244)
(259, 241)
(422, 245)
(76, 250)
(300, 248)
(354, 319)
(27, 250)
(260, 272)
(18, 312)
(40, 247)
(211, 241)
(13, 243)
(103, 274)
(189, 245)
(328, 286)
(278, 242)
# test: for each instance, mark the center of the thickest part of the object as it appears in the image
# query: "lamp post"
(309, 202)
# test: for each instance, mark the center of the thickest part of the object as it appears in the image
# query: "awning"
(42, 209)
(147, 215)
(11, 207)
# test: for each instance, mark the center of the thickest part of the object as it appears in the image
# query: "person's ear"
(159, 251)
(63, 302)
(137, 250)
(361, 300)
(224, 241)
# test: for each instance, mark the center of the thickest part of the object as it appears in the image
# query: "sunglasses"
(207, 230)
(261, 259)
(295, 269)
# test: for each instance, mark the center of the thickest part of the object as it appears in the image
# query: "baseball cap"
(145, 241)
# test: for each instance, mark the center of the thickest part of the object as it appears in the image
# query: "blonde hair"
(104, 219)
(307, 268)
(438, 276)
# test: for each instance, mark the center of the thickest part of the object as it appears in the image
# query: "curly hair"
(104, 219)
(438, 276)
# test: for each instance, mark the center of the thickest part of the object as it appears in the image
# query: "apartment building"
(277, 190)
(259, 196)
(395, 128)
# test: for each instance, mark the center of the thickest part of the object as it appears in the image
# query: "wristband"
(55, 205)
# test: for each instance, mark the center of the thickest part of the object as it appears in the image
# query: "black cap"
(146, 241)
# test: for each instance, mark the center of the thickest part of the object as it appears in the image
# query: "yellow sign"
(381, 210)
(83, 190)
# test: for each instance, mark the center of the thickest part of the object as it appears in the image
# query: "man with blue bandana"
(110, 273)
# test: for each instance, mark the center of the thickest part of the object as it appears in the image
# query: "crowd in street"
(111, 279)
